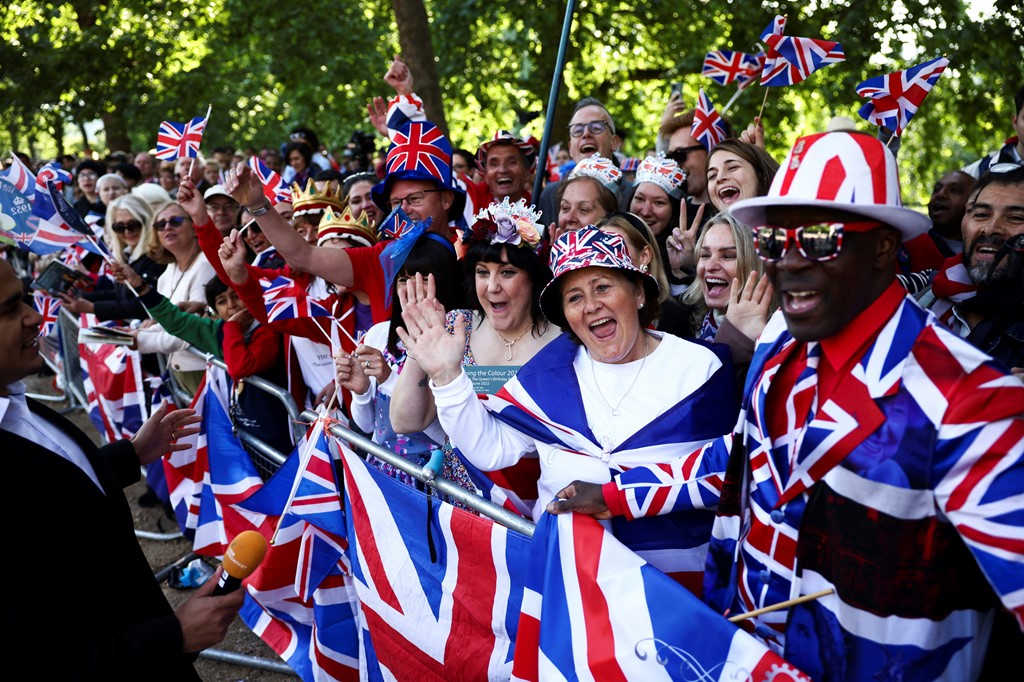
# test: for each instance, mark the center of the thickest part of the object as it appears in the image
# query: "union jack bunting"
(179, 139)
(708, 127)
(726, 66)
(286, 300)
(592, 609)
(275, 189)
(421, 146)
(894, 99)
(49, 308)
(791, 59)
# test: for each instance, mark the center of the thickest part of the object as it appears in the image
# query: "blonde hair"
(746, 257)
(140, 211)
(156, 250)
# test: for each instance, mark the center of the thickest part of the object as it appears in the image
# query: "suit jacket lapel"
(103, 473)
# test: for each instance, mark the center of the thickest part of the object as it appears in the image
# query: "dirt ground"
(161, 553)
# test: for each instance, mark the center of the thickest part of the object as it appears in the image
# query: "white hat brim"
(907, 221)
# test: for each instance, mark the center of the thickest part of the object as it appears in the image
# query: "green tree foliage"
(266, 67)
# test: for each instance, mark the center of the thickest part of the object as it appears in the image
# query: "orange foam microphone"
(244, 554)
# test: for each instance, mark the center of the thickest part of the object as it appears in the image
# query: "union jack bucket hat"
(843, 171)
(587, 247)
(528, 151)
(419, 151)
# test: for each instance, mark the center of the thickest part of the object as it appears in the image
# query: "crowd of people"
(769, 375)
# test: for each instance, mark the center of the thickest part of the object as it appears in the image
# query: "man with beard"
(946, 208)
(980, 295)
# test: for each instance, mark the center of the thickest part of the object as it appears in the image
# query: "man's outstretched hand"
(582, 498)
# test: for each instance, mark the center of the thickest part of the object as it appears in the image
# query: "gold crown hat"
(310, 200)
(344, 225)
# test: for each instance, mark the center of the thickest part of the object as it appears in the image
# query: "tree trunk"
(85, 138)
(418, 53)
(58, 133)
(117, 132)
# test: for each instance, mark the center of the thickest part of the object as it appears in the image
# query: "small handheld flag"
(180, 139)
(894, 99)
(708, 127)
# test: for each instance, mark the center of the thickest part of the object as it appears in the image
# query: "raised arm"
(333, 265)
(412, 403)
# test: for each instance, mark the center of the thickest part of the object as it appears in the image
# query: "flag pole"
(304, 455)
(209, 108)
(735, 96)
(556, 85)
(761, 112)
(782, 605)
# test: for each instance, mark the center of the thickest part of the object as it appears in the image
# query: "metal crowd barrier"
(60, 352)
(442, 485)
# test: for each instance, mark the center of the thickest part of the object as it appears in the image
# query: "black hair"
(673, 221)
(1018, 99)
(592, 102)
(302, 148)
(521, 257)
(328, 174)
(346, 186)
(129, 171)
(1010, 178)
(90, 164)
(428, 256)
(214, 288)
(304, 133)
(469, 157)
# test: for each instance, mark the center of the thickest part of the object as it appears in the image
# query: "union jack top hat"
(842, 171)
(588, 247)
(419, 151)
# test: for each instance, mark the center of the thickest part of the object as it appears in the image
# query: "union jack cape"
(530, 403)
(894, 99)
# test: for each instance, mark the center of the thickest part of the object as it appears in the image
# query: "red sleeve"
(610, 492)
(245, 360)
(210, 240)
(368, 276)
(923, 253)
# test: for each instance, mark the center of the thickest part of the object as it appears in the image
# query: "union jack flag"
(894, 99)
(442, 604)
(592, 609)
(708, 127)
(421, 146)
(49, 308)
(274, 186)
(179, 139)
(791, 59)
(52, 172)
(15, 206)
(751, 72)
(286, 300)
(20, 176)
(726, 66)
(112, 375)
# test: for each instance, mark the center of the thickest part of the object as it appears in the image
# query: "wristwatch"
(260, 210)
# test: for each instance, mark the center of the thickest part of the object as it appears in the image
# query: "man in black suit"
(77, 585)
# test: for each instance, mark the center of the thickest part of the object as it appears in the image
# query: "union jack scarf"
(951, 285)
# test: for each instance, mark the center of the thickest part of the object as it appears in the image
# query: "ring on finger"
(367, 364)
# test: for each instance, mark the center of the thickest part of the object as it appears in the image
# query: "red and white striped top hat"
(843, 171)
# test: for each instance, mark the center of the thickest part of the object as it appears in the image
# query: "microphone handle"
(227, 584)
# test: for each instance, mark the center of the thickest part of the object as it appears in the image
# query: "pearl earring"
(644, 268)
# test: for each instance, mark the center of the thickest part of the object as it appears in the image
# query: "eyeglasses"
(679, 155)
(175, 221)
(595, 128)
(415, 200)
(127, 226)
(87, 175)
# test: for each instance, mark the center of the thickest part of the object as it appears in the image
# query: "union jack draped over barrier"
(113, 383)
(592, 609)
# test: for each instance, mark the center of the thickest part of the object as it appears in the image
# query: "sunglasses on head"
(679, 155)
(163, 223)
(127, 226)
(820, 242)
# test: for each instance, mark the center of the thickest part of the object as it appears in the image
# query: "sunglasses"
(252, 227)
(175, 221)
(595, 128)
(127, 226)
(679, 155)
(821, 242)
